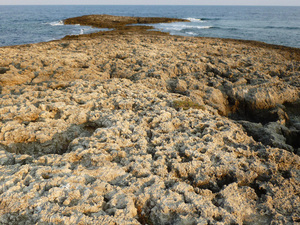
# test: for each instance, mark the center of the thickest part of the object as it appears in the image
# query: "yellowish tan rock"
(149, 129)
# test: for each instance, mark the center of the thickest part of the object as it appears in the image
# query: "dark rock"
(3, 70)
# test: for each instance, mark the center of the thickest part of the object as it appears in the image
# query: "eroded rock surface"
(115, 151)
(149, 129)
(241, 81)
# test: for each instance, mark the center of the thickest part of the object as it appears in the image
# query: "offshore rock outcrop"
(149, 129)
(118, 22)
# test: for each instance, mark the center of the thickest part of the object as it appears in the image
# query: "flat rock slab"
(119, 24)
(109, 21)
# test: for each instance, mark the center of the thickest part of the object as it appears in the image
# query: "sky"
(151, 2)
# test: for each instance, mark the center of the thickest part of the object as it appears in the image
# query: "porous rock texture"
(149, 129)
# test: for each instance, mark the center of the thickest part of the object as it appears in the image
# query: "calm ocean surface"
(274, 25)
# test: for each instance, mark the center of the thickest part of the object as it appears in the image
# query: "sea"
(274, 25)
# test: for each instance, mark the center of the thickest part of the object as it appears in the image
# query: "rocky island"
(134, 126)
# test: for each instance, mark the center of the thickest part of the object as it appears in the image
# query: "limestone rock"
(89, 132)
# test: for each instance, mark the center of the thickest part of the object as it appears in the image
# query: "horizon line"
(136, 5)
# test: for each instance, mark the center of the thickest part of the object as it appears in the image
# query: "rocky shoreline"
(133, 126)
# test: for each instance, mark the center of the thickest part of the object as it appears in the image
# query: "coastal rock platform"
(139, 127)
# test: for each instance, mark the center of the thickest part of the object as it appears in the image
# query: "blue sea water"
(274, 25)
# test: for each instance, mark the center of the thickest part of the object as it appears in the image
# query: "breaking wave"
(194, 20)
(180, 26)
(57, 23)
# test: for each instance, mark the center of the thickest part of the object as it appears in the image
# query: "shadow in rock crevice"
(58, 144)
(277, 127)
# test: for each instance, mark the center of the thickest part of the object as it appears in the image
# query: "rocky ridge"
(149, 129)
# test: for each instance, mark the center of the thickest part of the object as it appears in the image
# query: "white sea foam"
(191, 33)
(180, 26)
(194, 20)
(205, 27)
(57, 23)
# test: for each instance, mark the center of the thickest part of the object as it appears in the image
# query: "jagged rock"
(136, 159)
(178, 86)
(273, 134)
(90, 132)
